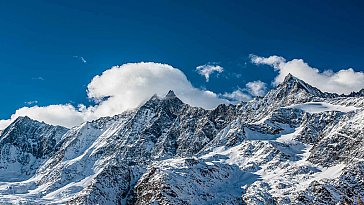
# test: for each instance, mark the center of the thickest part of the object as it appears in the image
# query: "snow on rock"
(296, 145)
(190, 181)
(24, 145)
(317, 107)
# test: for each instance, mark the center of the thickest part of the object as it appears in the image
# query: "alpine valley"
(295, 145)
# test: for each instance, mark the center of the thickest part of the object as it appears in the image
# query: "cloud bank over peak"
(122, 88)
(343, 81)
(131, 84)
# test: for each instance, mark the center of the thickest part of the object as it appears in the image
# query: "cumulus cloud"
(252, 89)
(65, 115)
(131, 84)
(207, 69)
(256, 88)
(274, 61)
(121, 88)
(343, 81)
(4, 124)
(237, 96)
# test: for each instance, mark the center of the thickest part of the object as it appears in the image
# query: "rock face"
(296, 145)
(24, 145)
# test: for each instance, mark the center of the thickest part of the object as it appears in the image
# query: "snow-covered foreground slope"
(296, 145)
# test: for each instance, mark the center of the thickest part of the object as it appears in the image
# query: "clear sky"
(51, 50)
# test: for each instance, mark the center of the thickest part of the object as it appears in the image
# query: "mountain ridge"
(294, 145)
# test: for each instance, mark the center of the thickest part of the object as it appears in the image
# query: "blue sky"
(42, 42)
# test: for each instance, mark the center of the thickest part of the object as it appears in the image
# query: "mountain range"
(295, 145)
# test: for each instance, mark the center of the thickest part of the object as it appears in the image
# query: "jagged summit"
(154, 97)
(293, 82)
(30, 142)
(292, 85)
(291, 91)
(170, 95)
(172, 99)
(23, 119)
(360, 93)
(290, 77)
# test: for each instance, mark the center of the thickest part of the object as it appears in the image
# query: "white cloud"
(256, 88)
(82, 59)
(121, 88)
(343, 81)
(4, 123)
(38, 78)
(252, 89)
(207, 69)
(131, 84)
(65, 115)
(274, 61)
(31, 102)
(237, 96)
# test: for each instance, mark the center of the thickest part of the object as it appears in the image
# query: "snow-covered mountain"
(296, 145)
(24, 145)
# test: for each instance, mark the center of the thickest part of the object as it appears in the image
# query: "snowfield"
(316, 107)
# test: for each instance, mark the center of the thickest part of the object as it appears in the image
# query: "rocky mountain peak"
(360, 93)
(291, 91)
(170, 100)
(293, 84)
(25, 144)
(26, 123)
(290, 77)
(170, 95)
(23, 119)
(22, 122)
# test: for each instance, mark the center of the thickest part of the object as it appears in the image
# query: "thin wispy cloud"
(82, 59)
(32, 102)
(38, 78)
(208, 69)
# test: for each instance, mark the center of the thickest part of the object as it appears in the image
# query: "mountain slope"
(295, 145)
(24, 145)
